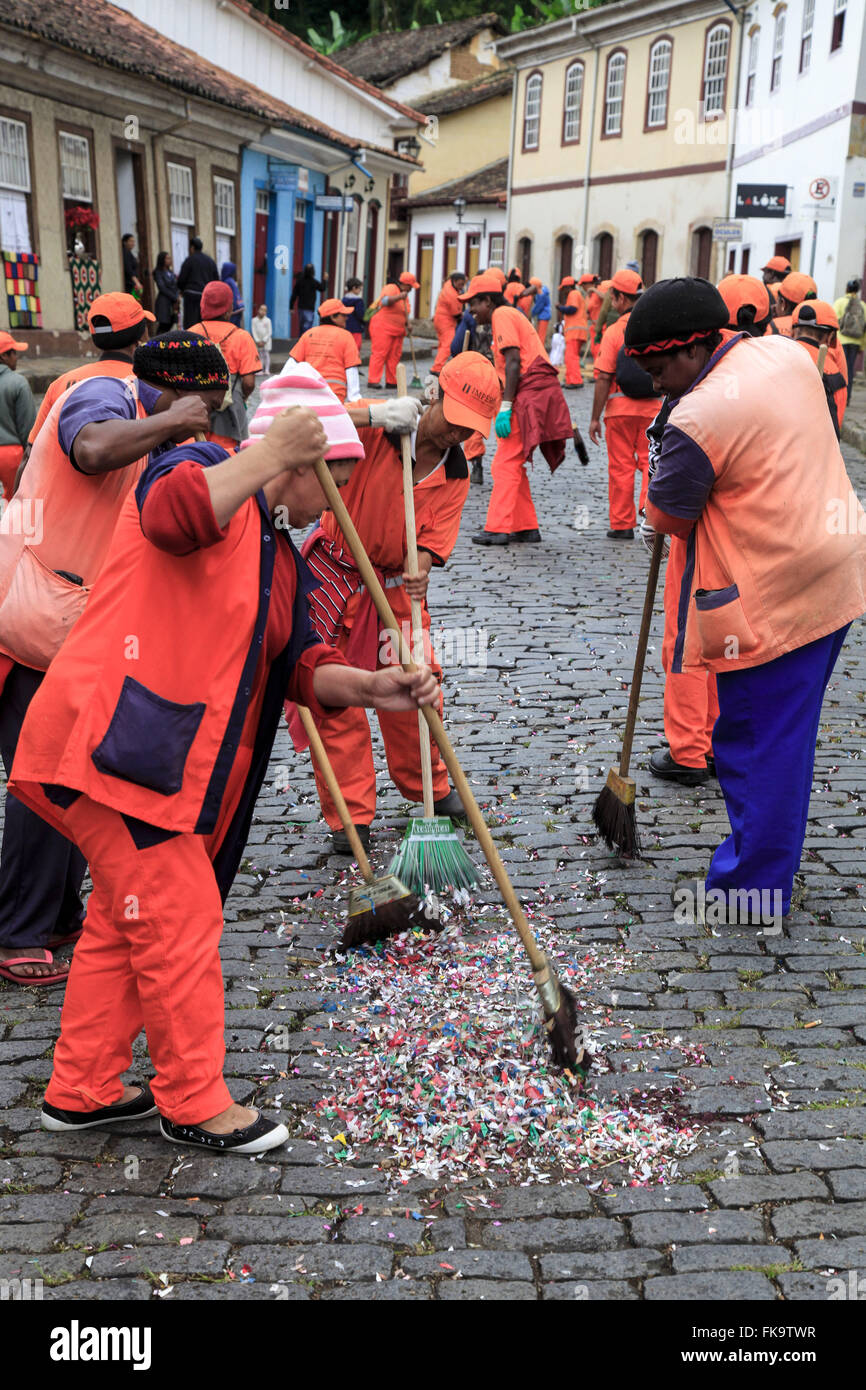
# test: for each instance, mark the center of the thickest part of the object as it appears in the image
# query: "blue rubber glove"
(503, 421)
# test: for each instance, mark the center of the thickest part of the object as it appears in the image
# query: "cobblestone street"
(757, 1042)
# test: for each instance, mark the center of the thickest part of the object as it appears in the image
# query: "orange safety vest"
(575, 325)
(59, 519)
(330, 350)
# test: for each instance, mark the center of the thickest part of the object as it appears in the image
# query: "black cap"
(675, 312)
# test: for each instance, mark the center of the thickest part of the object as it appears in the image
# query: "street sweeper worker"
(793, 289)
(147, 744)
(117, 323)
(815, 326)
(750, 474)
(533, 414)
(446, 315)
(575, 320)
(331, 349)
(627, 401)
(342, 609)
(57, 530)
(774, 272)
(228, 425)
(479, 339)
(388, 327)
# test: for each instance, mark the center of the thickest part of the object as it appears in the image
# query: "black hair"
(354, 283)
(195, 243)
(497, 299)
(125, 337)
(748, 321)
(127, 236)
(161, 260)
(852, 287)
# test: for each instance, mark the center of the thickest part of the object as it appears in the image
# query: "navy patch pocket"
(708, 599)
(148, 739)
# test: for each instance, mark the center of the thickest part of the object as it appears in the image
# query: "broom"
(416, 380)
(558, 1004)
(431, 856)
(614, 812)
(384, 906)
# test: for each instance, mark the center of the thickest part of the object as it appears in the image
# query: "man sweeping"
(343, 611)
(533, 414)
(750, 474)
(388, 327)
(332, 350)
(626, 400)
(446, 315)
(576, 326)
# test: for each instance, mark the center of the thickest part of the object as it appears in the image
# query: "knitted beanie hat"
(300, 384)
(183, 361)
(216, 299)
(673, 313)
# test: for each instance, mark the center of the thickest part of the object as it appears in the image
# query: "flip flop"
(67, 940)
(45, 959)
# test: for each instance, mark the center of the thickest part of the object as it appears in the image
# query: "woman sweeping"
(147, 744)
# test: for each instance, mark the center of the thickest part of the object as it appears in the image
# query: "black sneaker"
(621, 535)
(258, 1137)
(477, 474)
(526, 537)
(711, 766)
(662, 765)
(61, 1121)
(340, 843)
(491, 538)
(450, 805)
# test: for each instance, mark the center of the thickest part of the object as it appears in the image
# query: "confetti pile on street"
(450, 1070)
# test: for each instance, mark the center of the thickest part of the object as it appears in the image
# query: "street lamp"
(460, 207)
(410, 146)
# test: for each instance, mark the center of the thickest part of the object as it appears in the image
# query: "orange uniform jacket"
(618, 403)
(576, 325)
(835, 385)
(391, 318)
(332, 351)
(448, 307)
(109, 365)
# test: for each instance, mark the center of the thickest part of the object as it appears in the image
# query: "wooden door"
(424, 275)
(260, 249)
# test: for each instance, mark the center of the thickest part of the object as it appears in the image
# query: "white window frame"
(74, 153)
(716, 69)
(263, 201)
(226, 225)
(573, 103)
(178, 197)
(658, 91)
(840, 7)
(806, 35)
(752, 73)
(532, 111)
(14, 150)
(614, 94)
(778, 50)
(496, 249)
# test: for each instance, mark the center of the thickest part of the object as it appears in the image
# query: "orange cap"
(334, 306)
(778, 263)
(738, 290)
(121, 310)
(587, 278)
(567, 280)
(603, 286)
(471, 393)
(8, 344)
(408, 279)
(627, 282)
(796, 286)
(488, 282)
(534, 280)
(817, 313)
(498, 272)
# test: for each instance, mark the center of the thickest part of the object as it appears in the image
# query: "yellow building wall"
(468, 140)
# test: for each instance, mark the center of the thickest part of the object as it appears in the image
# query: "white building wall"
(431, 78)
(802, 132)
(228, 39)
(438, 221)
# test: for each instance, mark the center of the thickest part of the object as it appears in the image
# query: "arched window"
(716, 69)
(778, 49)
(573, 104)
(839, 10)
(806, 35)
(702, 246)
(564, 256)
(649, 250)
(524, 258)
(532, 111)
(614, 94)
(604, 255)
(658, 84)
(752, 71)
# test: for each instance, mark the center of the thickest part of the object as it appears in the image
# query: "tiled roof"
(108, 35)
(487, 185)
(464, 94)
(383, 58)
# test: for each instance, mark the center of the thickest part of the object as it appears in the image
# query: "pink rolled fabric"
(301, 384)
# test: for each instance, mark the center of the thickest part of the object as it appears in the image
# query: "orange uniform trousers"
(541, 327)
(385, 351)
(445, 329)
(627, 454)
(574, 346)
(148, 957)
(10, 460)
(511, 507)
(691, 704)
(349, 743)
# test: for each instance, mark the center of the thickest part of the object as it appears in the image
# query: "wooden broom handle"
(320, 757)
(822, 358)
(640, 654)
(537, 958)
(417, 619)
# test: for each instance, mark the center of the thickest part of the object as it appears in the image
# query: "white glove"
(399, 415)
(353, 385)
(431, 388)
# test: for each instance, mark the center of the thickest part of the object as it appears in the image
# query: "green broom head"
(431, 857)
(614, 815)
